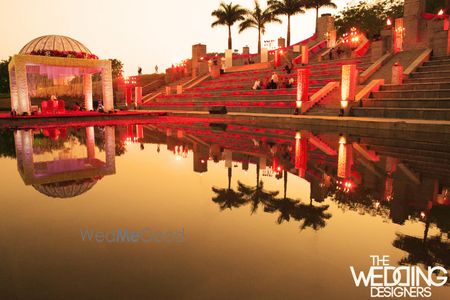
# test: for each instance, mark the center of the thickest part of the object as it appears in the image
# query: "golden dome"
(66, 189)
(54, 43)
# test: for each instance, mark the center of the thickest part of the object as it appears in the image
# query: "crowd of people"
(275, 81)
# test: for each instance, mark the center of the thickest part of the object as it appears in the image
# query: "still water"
(225, 210)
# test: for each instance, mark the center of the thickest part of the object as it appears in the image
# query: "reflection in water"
(66, 174)
(401, 182)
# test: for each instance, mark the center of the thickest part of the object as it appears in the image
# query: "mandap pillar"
(13, 91)
(22, 88)
(107, 87)
(90, 142)
(110, 148)
(87, 91)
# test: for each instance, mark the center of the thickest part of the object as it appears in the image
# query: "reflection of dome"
(54, 43)
(66, 189)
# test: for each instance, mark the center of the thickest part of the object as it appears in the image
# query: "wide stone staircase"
(424, 95)
(233, 90)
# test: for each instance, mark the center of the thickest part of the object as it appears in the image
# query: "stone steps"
(411, 86)
(415, 94)
(427, 80)
(323, 111)
(442, 73)
(402, 113)
(437, 61)
(435, 67)
(407, 103)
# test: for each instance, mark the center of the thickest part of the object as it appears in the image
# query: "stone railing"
(373, 68)
(319, 95)
(423, 57)
(373, 86)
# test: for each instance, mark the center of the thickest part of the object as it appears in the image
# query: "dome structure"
(66, 189)
(54, 43)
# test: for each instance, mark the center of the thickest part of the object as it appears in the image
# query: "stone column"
(414, 24)
(87, 91)
(331, 41)
(228, 58)
(22, 88)
(305, 55)
(13, 90)
(264, 55)
(107, 87)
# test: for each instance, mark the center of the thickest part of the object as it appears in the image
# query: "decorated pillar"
(107, 87)
(22, 88)
(399, 33)
(24, 152)
(301, 154)
(277, 60)
(348, 87)
(305, 55)
(345, 158)
(87, 91)
(90, 142)
(138, 95)
(13, 90)
(302, 88)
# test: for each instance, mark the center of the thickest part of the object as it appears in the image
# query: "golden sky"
(138, 32)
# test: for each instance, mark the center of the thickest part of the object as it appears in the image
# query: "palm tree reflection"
(227, 197)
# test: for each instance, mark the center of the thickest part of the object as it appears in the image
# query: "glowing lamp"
(441, 12)
(422, 215)
(342, 140)
(344, 104)
(298, 136)
(389, 22)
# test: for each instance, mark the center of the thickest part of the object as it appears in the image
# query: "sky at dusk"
(138, 32)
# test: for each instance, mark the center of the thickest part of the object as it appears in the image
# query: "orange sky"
(138, 32)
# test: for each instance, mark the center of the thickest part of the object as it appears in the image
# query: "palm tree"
(228, 14)
(317, 4)
(258, 18)
(287, 8)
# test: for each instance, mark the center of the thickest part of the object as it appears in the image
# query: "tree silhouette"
(258, 18)
(287, 8)
(228, 14)
(227, 198)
